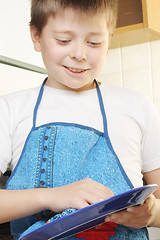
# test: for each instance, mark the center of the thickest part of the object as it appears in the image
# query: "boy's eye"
(62, 41)
(94, 44)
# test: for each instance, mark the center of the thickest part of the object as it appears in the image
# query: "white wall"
(15, 39)
(136, 67)
(15, 43)
(14, 79)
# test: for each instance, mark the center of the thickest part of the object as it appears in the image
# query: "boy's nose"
(79, 52)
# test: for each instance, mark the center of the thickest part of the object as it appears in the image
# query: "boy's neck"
(89, 86)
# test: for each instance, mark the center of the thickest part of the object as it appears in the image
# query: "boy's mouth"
(75, 70)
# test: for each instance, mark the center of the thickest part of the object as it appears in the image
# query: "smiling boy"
(80, 48)
(63, 152)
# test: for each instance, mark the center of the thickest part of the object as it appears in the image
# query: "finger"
(129, 219)
(118, 217)
(81, 204)
(143, 208)
(98, 188)
(103, 194)
(92, 198)
(85, 198)
(123, 218)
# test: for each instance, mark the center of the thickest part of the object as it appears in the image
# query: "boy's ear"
(35, 36)
(107, 52)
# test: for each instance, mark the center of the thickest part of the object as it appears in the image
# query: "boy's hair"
(41, 10)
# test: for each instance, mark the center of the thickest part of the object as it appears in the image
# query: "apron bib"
(56, 154)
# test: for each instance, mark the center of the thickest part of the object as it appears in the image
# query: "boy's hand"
(136, 217)
(76, 195)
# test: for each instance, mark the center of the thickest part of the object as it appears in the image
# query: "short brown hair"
(41, 10)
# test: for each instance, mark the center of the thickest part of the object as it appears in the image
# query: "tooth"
(75, 70)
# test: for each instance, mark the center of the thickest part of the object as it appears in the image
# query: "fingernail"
(101, 199)
(130, 209)
(107, 219)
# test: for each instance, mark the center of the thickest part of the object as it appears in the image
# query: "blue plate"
(90, 216)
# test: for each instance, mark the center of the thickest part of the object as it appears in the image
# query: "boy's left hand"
(137, 216)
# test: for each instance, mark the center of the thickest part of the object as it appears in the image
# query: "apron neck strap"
(100, 103)
(102, 110)
(37, 103)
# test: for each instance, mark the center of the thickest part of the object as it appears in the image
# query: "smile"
(76, 70)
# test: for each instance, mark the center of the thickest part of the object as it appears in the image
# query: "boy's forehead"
(80, 15)
(71, 16)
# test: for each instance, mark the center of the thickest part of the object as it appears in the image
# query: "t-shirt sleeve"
(151, 137)
(5, 136)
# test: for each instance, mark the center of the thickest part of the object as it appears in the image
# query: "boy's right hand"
(76, 195)
(30, 201)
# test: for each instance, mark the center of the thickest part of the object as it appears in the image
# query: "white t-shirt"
(133, 123)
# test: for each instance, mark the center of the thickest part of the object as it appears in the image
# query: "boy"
(68, 160)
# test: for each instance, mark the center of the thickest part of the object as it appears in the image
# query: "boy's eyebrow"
(96, 33)
(71, 33)
(66, 32)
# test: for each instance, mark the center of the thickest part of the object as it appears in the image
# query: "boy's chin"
(71, 85)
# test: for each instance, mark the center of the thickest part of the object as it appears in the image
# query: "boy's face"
(73, 49)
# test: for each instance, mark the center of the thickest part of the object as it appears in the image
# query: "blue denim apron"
(56, 154)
